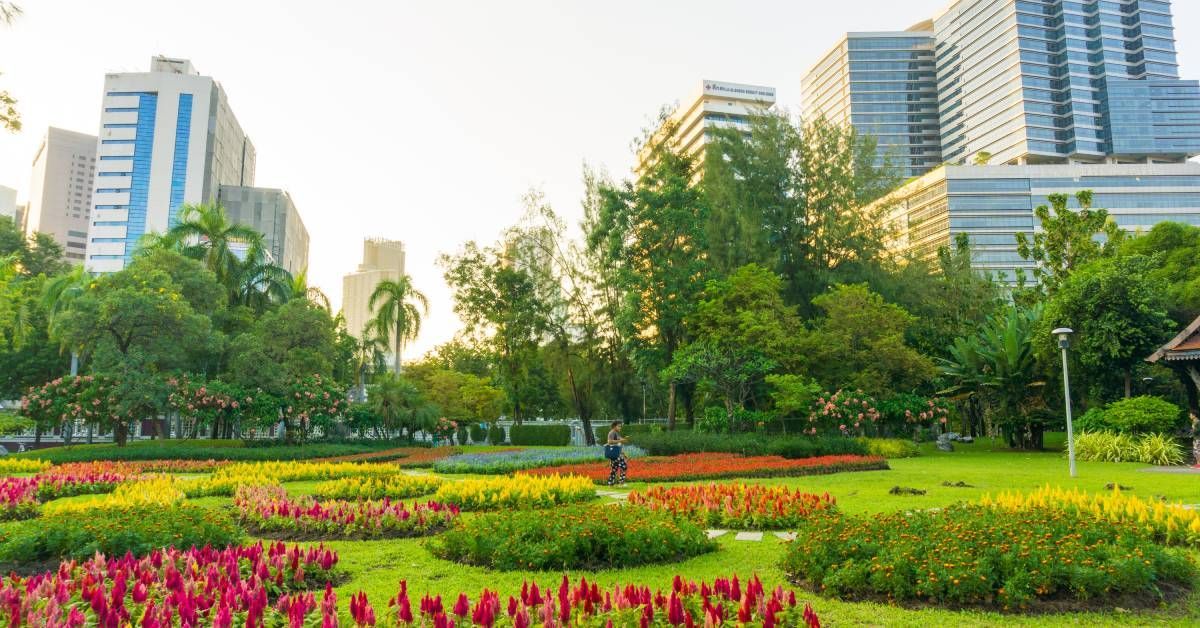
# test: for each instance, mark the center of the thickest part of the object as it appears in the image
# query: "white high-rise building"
(167, 137)
(716, 104)
(60, 191)
(382, 260)
(8, 202)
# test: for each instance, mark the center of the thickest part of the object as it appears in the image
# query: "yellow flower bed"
(1166, 523)
(153, 491)
(398, 486)
(520, 491)
(226, 479)
(22, 465)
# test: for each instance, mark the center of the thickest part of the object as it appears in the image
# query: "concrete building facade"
(991, 204)
(8, 202)
(272, 213)
(167, 137)
(382, 260)
(60, 190)
(716, 104)
(884, 84)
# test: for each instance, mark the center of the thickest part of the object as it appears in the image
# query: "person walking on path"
(616, 457)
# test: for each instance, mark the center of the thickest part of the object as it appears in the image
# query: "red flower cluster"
(720, 465)
(686, 604)
(269, 510)
(166, 588)
(84, 478)
(18, 498)
(744, 506)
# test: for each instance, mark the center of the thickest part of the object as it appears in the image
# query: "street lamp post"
(1064, 340)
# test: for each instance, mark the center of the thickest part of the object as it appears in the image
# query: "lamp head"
(1064, 336)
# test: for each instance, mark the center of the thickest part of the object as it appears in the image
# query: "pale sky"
(427, 121)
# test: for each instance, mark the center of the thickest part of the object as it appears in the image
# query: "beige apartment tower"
(715, 105)
(60, 194)
(382, 260)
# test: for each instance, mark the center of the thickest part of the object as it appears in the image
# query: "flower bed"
(575, 537)
(983, 557)
(739, 506)
(521, 459)
(168, 588)
(267, 510)
(403, 456)
(520, 491)
(1171, 524)
(9, 465)
(18, 498)
(163, 491)
(82, 478)
(226, 480)
(398, 486)
(137, 527)
(719, 465)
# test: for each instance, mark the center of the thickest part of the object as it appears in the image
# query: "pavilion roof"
(1185, 346)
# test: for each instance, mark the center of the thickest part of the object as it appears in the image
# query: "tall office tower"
(883, 84)
(60, 192)
(382, 260)
(8, 202)
(1057, 81)
(167, 137)
(272, 213)
(717, 104)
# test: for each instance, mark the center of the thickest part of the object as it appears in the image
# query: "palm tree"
(58, 295)
(301, 290)
(204, 232)
(401, 406)
(398, 319)
(369, 352)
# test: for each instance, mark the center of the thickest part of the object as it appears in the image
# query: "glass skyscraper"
(884, 85)
(1060, 81)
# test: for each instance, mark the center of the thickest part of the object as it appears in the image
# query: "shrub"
(194, 587)
(687, 442)
(1112, 447)
(496, 462)
(201, 450)
(267, 510)
(550, 435)
(891, 447)
(714, 466)
(903, 412)
(478, 433)
(974, 555)
(1142, 415)
(1171, 524)
(741, 506)
(495, 434)
(12, 464)
(136, 528)
(13, 424)
(844, 412)
(580, 537)
(520, 491)
(1091, 421)
(628, 430)
(393, 487)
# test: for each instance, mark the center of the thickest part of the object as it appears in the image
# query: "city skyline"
(485, 108)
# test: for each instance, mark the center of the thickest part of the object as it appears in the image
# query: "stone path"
(751, 535)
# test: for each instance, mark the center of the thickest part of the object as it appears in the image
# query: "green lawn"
(377, 566)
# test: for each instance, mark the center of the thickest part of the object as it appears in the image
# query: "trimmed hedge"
(628, 430)
(202, 450)
(478, 433)
(495, 435)
(683, 442)
(550, 435)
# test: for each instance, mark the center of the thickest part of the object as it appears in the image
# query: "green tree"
(136, 325)
(10, 118)
(293, 341)
(401, 406)
(652, 232)
(300, 289)
(1068, 238)
(398, 308)
(1175, 249)
(1118, 313)
(859, 344)
(204, 232)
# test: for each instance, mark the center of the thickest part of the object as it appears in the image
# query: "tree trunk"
(584, 416)
(398, 343)
(37, 435)
(121, 433)
(1128, 383)
(671, 407)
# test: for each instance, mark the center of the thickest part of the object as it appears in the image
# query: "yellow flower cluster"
(520, 491)
(160, 490)
(399, 486)
(22, 465)
(1164, 522)
(226, 479)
